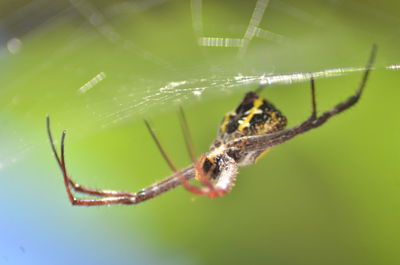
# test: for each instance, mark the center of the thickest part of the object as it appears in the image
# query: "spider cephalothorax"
(244, 135)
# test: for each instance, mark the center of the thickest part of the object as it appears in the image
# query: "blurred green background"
(331, 196)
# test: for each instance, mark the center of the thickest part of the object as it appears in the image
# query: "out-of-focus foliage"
(98, 68)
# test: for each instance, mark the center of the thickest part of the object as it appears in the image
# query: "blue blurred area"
(40, 228)
(98, 68)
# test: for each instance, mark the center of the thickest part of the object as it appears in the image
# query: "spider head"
(210, 164)
(219, 168)
(253, 116)
(210, 167)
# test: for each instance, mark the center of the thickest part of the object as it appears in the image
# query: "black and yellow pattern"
(253, 116)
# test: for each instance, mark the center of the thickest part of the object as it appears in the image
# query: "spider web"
(178, 91)
(99, 65)
(229, 55)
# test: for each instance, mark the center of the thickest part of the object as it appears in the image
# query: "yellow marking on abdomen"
(257, 103)
(225, 121)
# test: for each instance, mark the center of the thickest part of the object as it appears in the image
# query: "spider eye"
(207, 165)
(211, 167)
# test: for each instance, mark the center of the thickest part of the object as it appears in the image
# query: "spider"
(245, 134)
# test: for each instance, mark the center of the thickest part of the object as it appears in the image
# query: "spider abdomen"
(253, 116)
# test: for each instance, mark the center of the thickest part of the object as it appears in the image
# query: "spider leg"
(75, 186)
(185, 183)
(109, 196)
(208, 187)
(208, 190)
(259, 89)
(187, 135)
(96, 192)
(120, 196)
(59, 161)
(316, 121)
(83, 189)
(147, 193)
(261, 142)
(313, 100)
